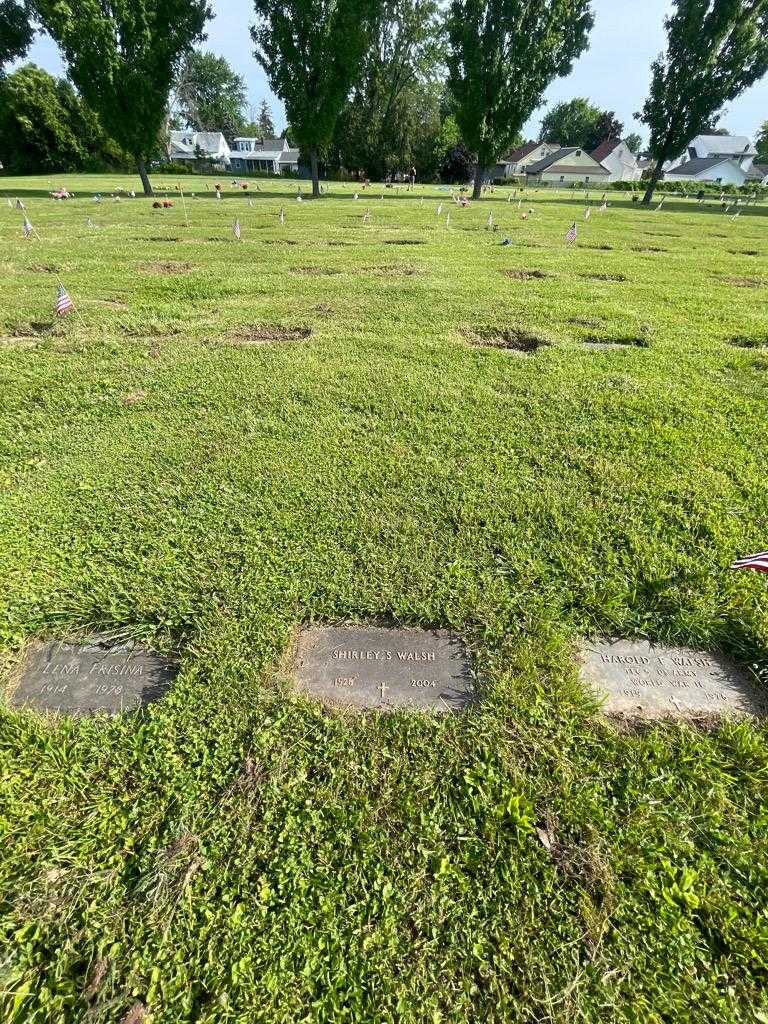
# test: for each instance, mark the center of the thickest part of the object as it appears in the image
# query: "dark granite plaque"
(94, 676)
(641, 680)
(375, 667)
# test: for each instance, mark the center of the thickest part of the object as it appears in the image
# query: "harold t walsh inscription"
(376, 667)
(90, 677)
(643, 680)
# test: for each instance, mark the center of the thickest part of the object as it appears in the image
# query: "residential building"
(271, 155)
(188, 146)
(726, 159)
(618, 159)
(515, 162)
(566, 166)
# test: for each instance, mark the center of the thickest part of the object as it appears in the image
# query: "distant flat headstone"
(642, 680)
(90, 677)
(375, 667)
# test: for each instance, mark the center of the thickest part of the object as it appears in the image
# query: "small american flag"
(89, 222)
(236, 230)
(366, 217)
(282, 215)
(63, 302)
(218, 195)
(20, 205)
(573, 233)
(489, 222)
(758, 562)
(28, 229)
(588, 213)
(355, 196)
(604, 207)
(439, 209)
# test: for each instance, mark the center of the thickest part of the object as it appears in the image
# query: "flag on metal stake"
(63, 302)
(282, 215)
(20, 205)
(758, 562)
(573, 233)
(236, 230)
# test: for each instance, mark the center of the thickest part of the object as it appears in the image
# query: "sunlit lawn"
(175, 470)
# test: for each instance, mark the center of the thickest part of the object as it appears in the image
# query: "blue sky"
(614, 73)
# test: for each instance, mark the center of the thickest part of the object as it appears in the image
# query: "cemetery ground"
(400, 422)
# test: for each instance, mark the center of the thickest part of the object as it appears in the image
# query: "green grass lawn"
(235, 853)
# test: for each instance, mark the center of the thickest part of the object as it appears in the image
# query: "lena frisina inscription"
(90, 677)
(376, 667)
(642, 680)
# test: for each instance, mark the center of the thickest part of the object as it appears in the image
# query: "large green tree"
(578, 122)
(311, 51)
(761, 144)
(210, 95)
(15, 30)
(502, 56)
(715, 50)
(45, 126)
(124, 55)
(381, 126)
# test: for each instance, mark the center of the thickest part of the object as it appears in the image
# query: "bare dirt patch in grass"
(391, 270)
(167, 267)
(315, 271)
(586, 321)
(23, 334)
(160, 238)
(604, 277)
(601, 248)
(281, 241)
(42, 268)
(747, 282)
(527, 275)
(324, 309)
(625, 341)
(648, 248)
(133, 396)
(405, 241)
(743, 341)
(744, 252)
(511, 338)
(260, 334)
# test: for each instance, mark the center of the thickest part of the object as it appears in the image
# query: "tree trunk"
(315, 175)
(654, 181)
(477, 190)
(141, 167)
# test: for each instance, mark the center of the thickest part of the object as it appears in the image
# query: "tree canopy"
(578, 122)
(311, 51)
(210, 95)
(124, 57)
(761, 144)
(715, 50)
(16, 30)
(502, 56)
(45, 126)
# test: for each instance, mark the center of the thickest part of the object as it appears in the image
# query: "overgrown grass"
(172, 470)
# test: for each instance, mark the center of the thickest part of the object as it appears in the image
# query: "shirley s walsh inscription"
(95, 676)
(376, 667)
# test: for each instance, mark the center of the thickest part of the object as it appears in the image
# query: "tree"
(15, 30)
(311, 51)
(396, 88)
(124, 56)
(502, 56)
(264, 121)
(570, 122)
(458, 164)
(634, 143)
(607, 126)
(715, 50)
(761, 144)
(210, 96)
(45, 126)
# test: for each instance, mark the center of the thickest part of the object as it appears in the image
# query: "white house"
(518, 159)
(726, 159)
(566, 166)
(618, 159)
(187, 146)
(265, 154)
(723, 170)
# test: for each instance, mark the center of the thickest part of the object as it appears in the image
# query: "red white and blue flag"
(758, 562)
(236, 230)
(63, 302)
(28, 229)
(573, 233)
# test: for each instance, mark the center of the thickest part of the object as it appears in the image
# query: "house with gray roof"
(263, 154)
(189, 146)
(568, 165)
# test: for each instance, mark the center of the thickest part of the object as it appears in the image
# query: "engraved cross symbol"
(382, 688)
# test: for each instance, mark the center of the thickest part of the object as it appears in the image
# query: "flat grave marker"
(382, 668)
(89, 677)
(642, 680)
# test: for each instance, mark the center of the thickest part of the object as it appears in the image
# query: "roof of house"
(208, 142)
(289, 156)
(699, 164)
(522, 151)
(758, 171)
(729, 145)
(605, 149)
(555, 163)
